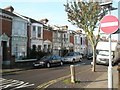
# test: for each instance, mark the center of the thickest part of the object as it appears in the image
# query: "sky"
(53, 10)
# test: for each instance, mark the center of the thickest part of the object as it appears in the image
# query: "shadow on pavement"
(93, 81)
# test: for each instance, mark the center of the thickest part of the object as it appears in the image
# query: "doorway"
(4, 50)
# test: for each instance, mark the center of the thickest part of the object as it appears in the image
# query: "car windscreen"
(70, 54)
(104, 53)
(45, 58)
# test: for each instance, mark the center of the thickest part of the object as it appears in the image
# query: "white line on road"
(14, 84)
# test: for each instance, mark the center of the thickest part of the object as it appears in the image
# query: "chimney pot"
(9, 8)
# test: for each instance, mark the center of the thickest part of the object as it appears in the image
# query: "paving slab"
(102, 81)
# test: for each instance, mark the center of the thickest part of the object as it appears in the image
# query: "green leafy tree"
(86, 15)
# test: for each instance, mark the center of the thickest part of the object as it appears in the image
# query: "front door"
(4, 50)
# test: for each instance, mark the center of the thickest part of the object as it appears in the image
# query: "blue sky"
(53, 10)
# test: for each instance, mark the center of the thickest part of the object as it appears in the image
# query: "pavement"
(102, 81)
(99, 82)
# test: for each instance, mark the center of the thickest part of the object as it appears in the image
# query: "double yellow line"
(47, 84)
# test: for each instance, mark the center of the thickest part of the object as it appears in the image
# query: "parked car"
(48, 61)
(90, 56)
(73, 57)
(103, 53)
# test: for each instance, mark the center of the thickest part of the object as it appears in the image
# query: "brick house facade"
(47, 39)
(51, 39)
(13, 33)
(5, 37)
(47, 35)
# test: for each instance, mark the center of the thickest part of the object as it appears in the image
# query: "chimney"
(44, 20)
(9, 8)
(79, 31)
(65, 27)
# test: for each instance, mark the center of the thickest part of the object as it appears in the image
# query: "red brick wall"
(7, 27)
(47, 35)
(72, 39)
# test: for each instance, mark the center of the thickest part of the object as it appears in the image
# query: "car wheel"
(61, 63)
(48, 65)
(73, 61)
(80, 60)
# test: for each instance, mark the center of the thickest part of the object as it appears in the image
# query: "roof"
(8, 12)
(35, 21)
(13, 14)
(10, 8)
(32, 20)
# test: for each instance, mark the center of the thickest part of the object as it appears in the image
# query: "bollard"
(72, 69)
(118, 75)
(91, 65)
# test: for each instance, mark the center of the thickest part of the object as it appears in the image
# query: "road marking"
(13, 84)
(47, 84)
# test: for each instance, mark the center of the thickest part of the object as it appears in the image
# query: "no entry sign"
(109, 24)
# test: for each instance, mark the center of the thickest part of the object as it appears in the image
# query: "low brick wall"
(24, 63)
(20, 63)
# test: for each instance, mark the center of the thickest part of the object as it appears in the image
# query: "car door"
(77, 56)
(74, 56)
(58, 58)
(54, 59)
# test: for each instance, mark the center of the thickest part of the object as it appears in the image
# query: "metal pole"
(110, 74)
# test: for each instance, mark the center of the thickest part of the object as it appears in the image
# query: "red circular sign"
(109, 24)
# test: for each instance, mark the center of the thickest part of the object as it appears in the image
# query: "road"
(35, 77)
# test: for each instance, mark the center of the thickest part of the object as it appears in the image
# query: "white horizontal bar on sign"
(109, 24)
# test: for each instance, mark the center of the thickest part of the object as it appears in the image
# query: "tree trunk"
(94, 59)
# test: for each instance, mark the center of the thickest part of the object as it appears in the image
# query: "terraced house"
(5, 36)
(13, 36)
(61, 39)
(19, 34)
(19, 38)
(47, 37)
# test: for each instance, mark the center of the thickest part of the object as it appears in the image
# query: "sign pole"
(110, 74)
(109, 24)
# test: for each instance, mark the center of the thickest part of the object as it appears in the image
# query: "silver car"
(73, 57)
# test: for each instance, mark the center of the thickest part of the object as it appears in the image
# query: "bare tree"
(86, 15)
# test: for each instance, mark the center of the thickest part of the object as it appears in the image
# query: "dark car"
(48, 61)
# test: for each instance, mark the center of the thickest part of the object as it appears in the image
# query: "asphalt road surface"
(35, 77)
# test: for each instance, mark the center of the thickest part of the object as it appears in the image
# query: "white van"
(103, 52)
